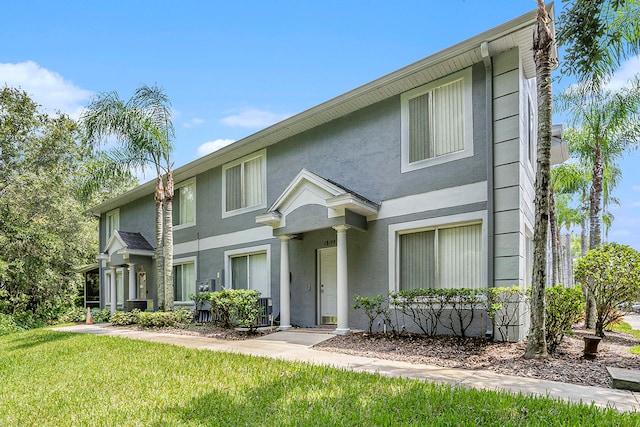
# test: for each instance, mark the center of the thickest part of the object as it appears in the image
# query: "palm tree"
(608, 126)
(542, 44)
(144, 131)
(597, 35)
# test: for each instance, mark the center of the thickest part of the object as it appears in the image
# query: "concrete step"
(624, 379)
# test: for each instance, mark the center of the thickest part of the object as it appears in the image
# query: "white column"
(285, 298)
(132, 281)
(343, 281)
(114, 287)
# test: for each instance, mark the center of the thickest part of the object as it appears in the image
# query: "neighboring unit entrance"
(327, 286)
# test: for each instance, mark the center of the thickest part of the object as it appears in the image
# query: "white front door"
(327, 286)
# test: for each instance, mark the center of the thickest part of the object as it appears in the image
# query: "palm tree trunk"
(159, 251)
(595, 236)
(595, 199)
(542, 42)
(553, 231)
(584, 242)
(168, 241)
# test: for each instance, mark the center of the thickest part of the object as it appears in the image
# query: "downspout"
(488, 69)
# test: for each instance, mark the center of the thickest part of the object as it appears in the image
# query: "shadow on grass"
(26, 340)
(271, 403)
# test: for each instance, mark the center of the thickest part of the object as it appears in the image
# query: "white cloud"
(193, 122)
(635, 187)
(253, 119)
(47, 88)
(626, 72)
(211, 146)
(635, 204)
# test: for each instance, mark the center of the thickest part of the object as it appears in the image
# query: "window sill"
(183, 226)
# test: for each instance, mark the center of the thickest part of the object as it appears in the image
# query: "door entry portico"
(327, 286)
(310, 203)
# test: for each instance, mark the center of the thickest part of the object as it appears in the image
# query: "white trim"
(258, 154)
(395, 230)
(242, 237)
(195, 204)
(187, 260)
(466, 77)
(228, 255)
(433, 200)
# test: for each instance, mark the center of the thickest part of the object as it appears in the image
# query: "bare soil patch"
(567, 364)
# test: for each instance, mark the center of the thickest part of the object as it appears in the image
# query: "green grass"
(59, 379)
(625, 327)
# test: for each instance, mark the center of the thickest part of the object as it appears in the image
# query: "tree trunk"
(595, 234)
(583, 237)
(159, 251)
(595, 198)
(553, 231)
(168, 242)
(542, 42)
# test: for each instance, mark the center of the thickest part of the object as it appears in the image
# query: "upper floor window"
(186, 195)
(437, 122)
(112, 219)
(244, 184)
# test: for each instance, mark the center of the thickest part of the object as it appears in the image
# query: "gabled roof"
(515, 33)
(127, 243)
(135, 240)
(307, 188)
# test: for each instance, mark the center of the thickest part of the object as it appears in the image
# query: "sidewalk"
(296, 346)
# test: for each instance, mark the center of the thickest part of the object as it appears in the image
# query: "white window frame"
(396, 230)
(406, 165)
(191, 181)
(262, 154)
(112, 213)
(229, 255)
(187, 260)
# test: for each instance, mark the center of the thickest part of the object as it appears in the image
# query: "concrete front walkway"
(296, 346)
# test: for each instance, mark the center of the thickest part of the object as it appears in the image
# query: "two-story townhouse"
(421, 178)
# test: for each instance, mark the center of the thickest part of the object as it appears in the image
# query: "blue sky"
(233, 68)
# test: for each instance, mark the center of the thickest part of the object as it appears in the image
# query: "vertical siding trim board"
(488, 66)
(506, 187)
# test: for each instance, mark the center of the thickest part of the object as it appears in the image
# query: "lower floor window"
(250, 272)
(184, 281)
(441, 258)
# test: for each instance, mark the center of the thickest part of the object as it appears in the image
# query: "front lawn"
(55, 379)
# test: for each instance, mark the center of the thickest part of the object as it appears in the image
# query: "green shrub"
(73, 314)
(563, 308)
(124, 318)
(163, 319)
(247, 309)
(611, 274)
(230, 307)
(372, 306)
(8, 324)
(29, 320)
(501, 308)
(100, 315)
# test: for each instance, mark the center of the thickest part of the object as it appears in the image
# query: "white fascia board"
(353, 203)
